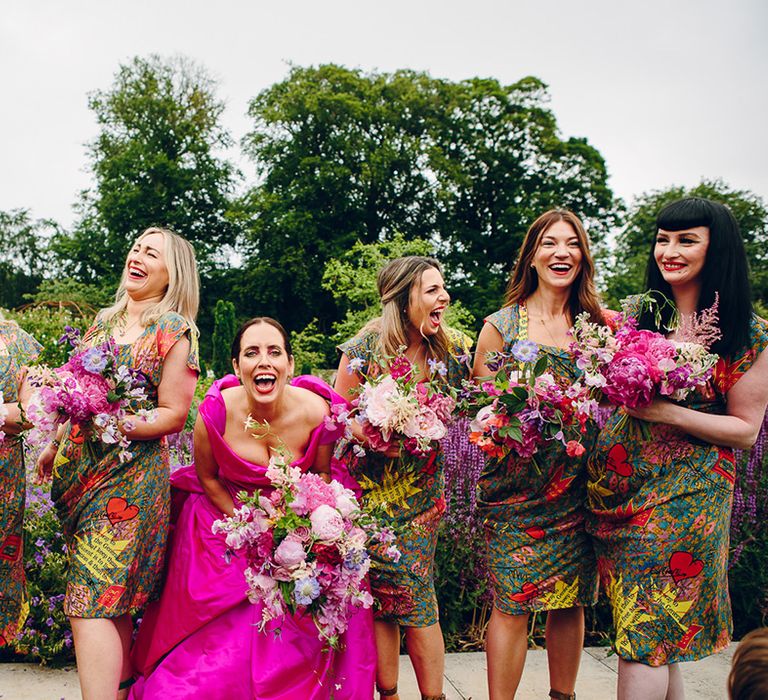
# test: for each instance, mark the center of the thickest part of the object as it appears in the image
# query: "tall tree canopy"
(25, 258)
(347, 156)
(154, 162)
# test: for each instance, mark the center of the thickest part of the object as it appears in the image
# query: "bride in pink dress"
(201, 639)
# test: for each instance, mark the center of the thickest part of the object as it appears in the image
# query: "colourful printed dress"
(539, 554)
(661, 509)
(114, 514)
(413, 501)
(17, 349)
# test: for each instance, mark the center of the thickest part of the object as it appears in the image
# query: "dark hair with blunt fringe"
(725, 271)
(237, 341)
(524, 279)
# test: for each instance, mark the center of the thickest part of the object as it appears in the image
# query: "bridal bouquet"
(394, 408)
(91, 389)
(630, 366)
(305, 548)
(522, 406)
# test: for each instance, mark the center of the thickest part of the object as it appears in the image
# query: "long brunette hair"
(524, 279)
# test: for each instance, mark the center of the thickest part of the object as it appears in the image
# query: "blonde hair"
(524, 279)
(395, 281)
(748, 679)
(183, 293)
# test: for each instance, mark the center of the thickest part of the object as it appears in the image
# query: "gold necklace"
(540, 319)
(122, 326)
(413, 360)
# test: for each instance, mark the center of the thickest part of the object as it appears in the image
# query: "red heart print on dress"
(527, 592)
(119, 511)
(682, 565)
(535, 531)
(617, 461)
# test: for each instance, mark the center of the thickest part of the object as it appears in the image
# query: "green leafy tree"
(348, 156)
(499, 163)
(25, 257)
(86, 298)
(309, 347)
(342, 160)
(633, 244)
(154, 162)
(224, 329)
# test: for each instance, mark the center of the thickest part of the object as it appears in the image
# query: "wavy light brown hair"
(183, 293)
(395, 281)
(748, 679)
(524, 279)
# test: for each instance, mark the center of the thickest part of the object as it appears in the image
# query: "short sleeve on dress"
(330, 429)
(728, 372)
(361, 346)
(505, 321)
(171, 327)
(21, 345)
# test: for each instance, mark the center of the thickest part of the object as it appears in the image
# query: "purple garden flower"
(306, 590)
(525, 350)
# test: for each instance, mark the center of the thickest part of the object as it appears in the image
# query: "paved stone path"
(465, 678)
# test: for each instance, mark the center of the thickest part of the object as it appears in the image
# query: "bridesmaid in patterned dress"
(414, 299)
(115, 514)
(539, 554)
(17, 350)
(661, 507)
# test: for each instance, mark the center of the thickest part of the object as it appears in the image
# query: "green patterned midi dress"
(413, 500)
(660, 504)
(17, 349)
(115, 514)
(539, 554)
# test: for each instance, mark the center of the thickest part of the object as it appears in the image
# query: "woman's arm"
(490, 340)
(346, 381)
(345, 384)
(739, 428)
(174, 397)
(322, 464)
(13, 424)
(208, 471)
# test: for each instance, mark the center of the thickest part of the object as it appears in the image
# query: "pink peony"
(311, 492)
(346, 503)
(376, 399)
(574, 449)
(629, 380)
(290, 553)
(442, 405)
(327, 523)
(425, 425)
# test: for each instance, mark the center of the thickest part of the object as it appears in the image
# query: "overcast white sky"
(668, 91)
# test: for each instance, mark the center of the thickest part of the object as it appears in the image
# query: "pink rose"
(327, 523)
(290, 553)
(400, 367)
(574, 448)
(264, 544)
(375, 439)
